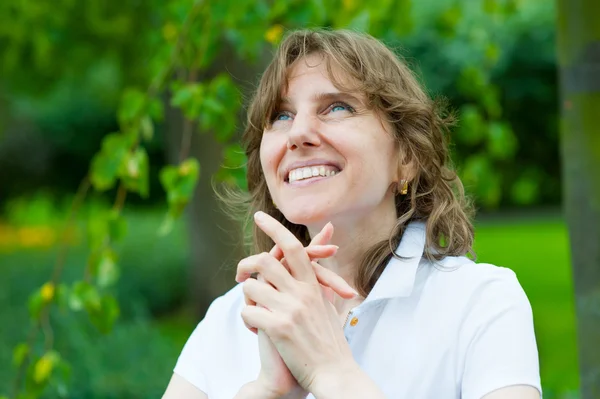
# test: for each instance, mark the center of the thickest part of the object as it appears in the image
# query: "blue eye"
(340, 106)
(282, 116)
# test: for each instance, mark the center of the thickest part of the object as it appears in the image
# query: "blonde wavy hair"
(420, 126)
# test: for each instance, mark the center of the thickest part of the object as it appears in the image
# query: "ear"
(406, 169)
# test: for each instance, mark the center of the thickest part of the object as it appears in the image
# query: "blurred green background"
(72, 72)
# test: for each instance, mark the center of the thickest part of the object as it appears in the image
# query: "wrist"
(263, 389)
(253, 390)
(336, 382)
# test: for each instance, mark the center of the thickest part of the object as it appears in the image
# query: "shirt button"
(354, 321)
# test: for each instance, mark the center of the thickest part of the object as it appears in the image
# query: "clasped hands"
(289, 306)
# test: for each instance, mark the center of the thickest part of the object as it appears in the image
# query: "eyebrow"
(331, 96)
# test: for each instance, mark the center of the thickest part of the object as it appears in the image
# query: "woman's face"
(326, 157)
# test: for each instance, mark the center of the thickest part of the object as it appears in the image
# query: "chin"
(311, 215)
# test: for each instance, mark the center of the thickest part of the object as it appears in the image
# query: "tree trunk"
(579, 59)
(215, 240)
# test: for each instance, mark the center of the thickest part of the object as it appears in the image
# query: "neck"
(354, 236)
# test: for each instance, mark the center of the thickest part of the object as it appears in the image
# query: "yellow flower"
(274, 33)
(47, 292)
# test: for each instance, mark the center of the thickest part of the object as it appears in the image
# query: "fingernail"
(259, 216)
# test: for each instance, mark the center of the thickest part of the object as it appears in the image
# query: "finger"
(262, 293)
(322, 238)
(328, 294)
(332, 280)
(267, 267)
(321, 251)
(249, 327)
(293, 250)
(314, 251)
(256, 317)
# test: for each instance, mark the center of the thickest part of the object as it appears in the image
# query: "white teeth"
(309, 172)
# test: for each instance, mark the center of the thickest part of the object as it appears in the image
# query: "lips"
(310, 172)
(311, 168)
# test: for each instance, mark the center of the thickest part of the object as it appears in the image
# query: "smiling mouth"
(311, 172)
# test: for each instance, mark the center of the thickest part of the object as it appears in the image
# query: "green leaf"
(107, 271)
(117, 226)
(36, 303)
(20, 353)
(84, 295)
(132, 106)
(502, 143)
(108, 162)
(167, 225)
(473, 82)
(61, 378)
(525, 189)
(221, 101)
(233, 170)
(189, 98)
(156, 109)
(62, 296)
(98, 231)
(44, 366)
(147, 128)
(135, 172)
(168, 177)
(105, 317)
(472, 126)
(483, 179)
(447, 22)
(492, 53)
(179, 183)
(490, 100)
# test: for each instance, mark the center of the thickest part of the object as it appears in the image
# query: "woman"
(340, 135)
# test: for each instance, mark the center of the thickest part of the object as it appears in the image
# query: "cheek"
(269, 157)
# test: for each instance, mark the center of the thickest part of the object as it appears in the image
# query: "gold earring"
(404, 189)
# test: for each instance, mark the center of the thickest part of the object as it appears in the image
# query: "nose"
(304, 132)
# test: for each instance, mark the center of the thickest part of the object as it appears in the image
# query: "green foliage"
(146, 264)
(179, 183)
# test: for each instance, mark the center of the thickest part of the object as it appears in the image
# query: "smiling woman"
(340, 135)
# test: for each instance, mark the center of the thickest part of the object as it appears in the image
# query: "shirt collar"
(398, 277)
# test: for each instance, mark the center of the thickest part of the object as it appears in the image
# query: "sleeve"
(195, 358)
(498, 338)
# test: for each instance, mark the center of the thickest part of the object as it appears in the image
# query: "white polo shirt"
(453, 329)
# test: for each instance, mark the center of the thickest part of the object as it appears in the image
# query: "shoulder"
(219, 344)
(460, 285)
(462, 273)
(222, 322)
(231, 300)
